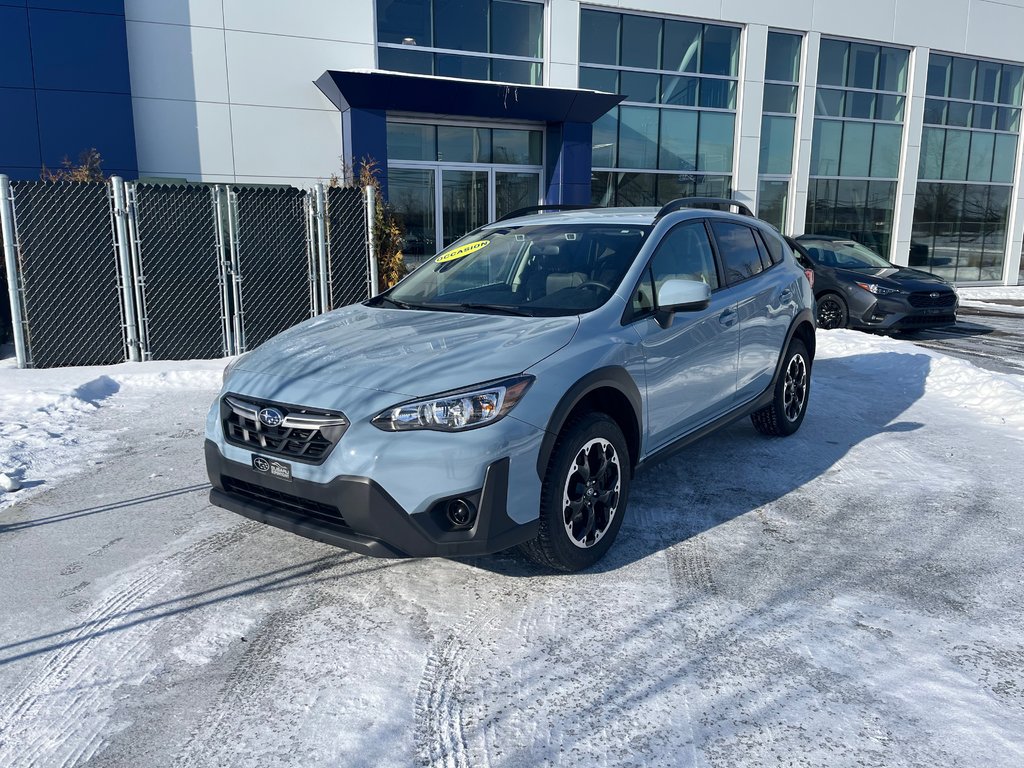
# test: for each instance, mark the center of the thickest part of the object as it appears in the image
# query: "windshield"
(844, 254)
(543, 269)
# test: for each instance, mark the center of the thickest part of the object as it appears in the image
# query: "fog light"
(460, 513)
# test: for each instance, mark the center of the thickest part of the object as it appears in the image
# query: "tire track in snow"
(689, 568)
(254, 672)
(441, 698)
(57, 714)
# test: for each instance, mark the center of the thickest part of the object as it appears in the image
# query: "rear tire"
(786, 412)
(583, 496)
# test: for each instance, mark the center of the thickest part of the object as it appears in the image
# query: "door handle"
(728, 318)
(786, 295)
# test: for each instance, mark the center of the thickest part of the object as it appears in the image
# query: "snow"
(45, 432)
(993, 298)
(850, 595)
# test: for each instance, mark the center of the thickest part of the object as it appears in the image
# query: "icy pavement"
(849, 596)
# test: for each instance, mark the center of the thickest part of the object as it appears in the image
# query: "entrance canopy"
(364, 98)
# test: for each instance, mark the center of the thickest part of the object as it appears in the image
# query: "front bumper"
(886, 314)
(358, 514)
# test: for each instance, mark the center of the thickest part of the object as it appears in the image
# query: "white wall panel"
(347, 20)
(562, 75)
(276, 71)
(279, 143)
(174, 62)
(203, 13)
(919, 22)
(181, 138)
(563, 40)
(868, 19)
(996, 30)
(791, 14)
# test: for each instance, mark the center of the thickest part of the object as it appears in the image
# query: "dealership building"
(893, 122)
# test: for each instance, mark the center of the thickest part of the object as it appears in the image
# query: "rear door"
(765, 302)
(691, 365)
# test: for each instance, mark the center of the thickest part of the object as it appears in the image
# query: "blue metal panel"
(568, 163)
(19, 137)
(85, 6)
(365, 134)
(71, 122)
(16, 3)
(15, 52)
(419, 93)
(79, 51)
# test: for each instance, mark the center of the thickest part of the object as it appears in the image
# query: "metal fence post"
(371, 246)
(138, 278)
(235, 271)
(224, 269)
(11, 265)
(314, 281)
(124, 258)
(321, 245)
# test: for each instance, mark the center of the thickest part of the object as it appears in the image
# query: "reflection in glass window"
(777, 136)
(857, 138)
(680, 82)
(429, 36)
(409, 141)
(773, 202)
(641, 42)
(638, 137)
(782, 62)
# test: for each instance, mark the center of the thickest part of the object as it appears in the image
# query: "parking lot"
(847, 596)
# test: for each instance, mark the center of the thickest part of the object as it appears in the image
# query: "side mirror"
(681, 296)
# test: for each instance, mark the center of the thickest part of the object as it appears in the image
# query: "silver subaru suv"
(506, 392)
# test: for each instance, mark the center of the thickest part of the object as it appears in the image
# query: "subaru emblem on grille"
(930, 296)
(271, 417)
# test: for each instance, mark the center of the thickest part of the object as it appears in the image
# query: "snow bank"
(996, 397)
(988, 298)
(44, 428)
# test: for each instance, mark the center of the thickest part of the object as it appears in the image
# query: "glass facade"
(446, 179)
(856, 142)
(499, 40)
(673, 134)
(778, 126)
(968, 157)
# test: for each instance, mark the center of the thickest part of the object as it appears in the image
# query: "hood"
(907, 279)
(409, 352)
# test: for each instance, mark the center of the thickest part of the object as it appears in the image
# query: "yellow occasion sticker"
(463, 250)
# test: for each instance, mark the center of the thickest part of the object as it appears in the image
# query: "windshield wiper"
(501, 308)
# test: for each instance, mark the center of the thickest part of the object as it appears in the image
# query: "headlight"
(455, 411)
(878, 290)
(231, 366)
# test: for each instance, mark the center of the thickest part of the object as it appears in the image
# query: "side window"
(776, 246)
(685, 254)
(740, 255)
(643, 297)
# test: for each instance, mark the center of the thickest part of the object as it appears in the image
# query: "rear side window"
(738, 249)
(776, 246)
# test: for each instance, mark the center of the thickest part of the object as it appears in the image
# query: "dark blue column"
(567, 172)
(365, 138)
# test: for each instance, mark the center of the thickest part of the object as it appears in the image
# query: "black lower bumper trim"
(356, 513)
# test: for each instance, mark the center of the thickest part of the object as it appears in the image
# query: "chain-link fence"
(208, 270)
(181, 309)
(348, 277)
(68, 275)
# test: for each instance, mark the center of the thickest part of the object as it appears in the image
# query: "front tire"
(832, 312)
(583, 496)
(786, 412)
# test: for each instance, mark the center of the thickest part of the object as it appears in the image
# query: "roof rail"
(714, 203)
(537, 208)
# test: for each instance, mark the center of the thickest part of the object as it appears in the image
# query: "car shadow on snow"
(737, 470)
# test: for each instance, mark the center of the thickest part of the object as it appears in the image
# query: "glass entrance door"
(438, 204)
(465, 203)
